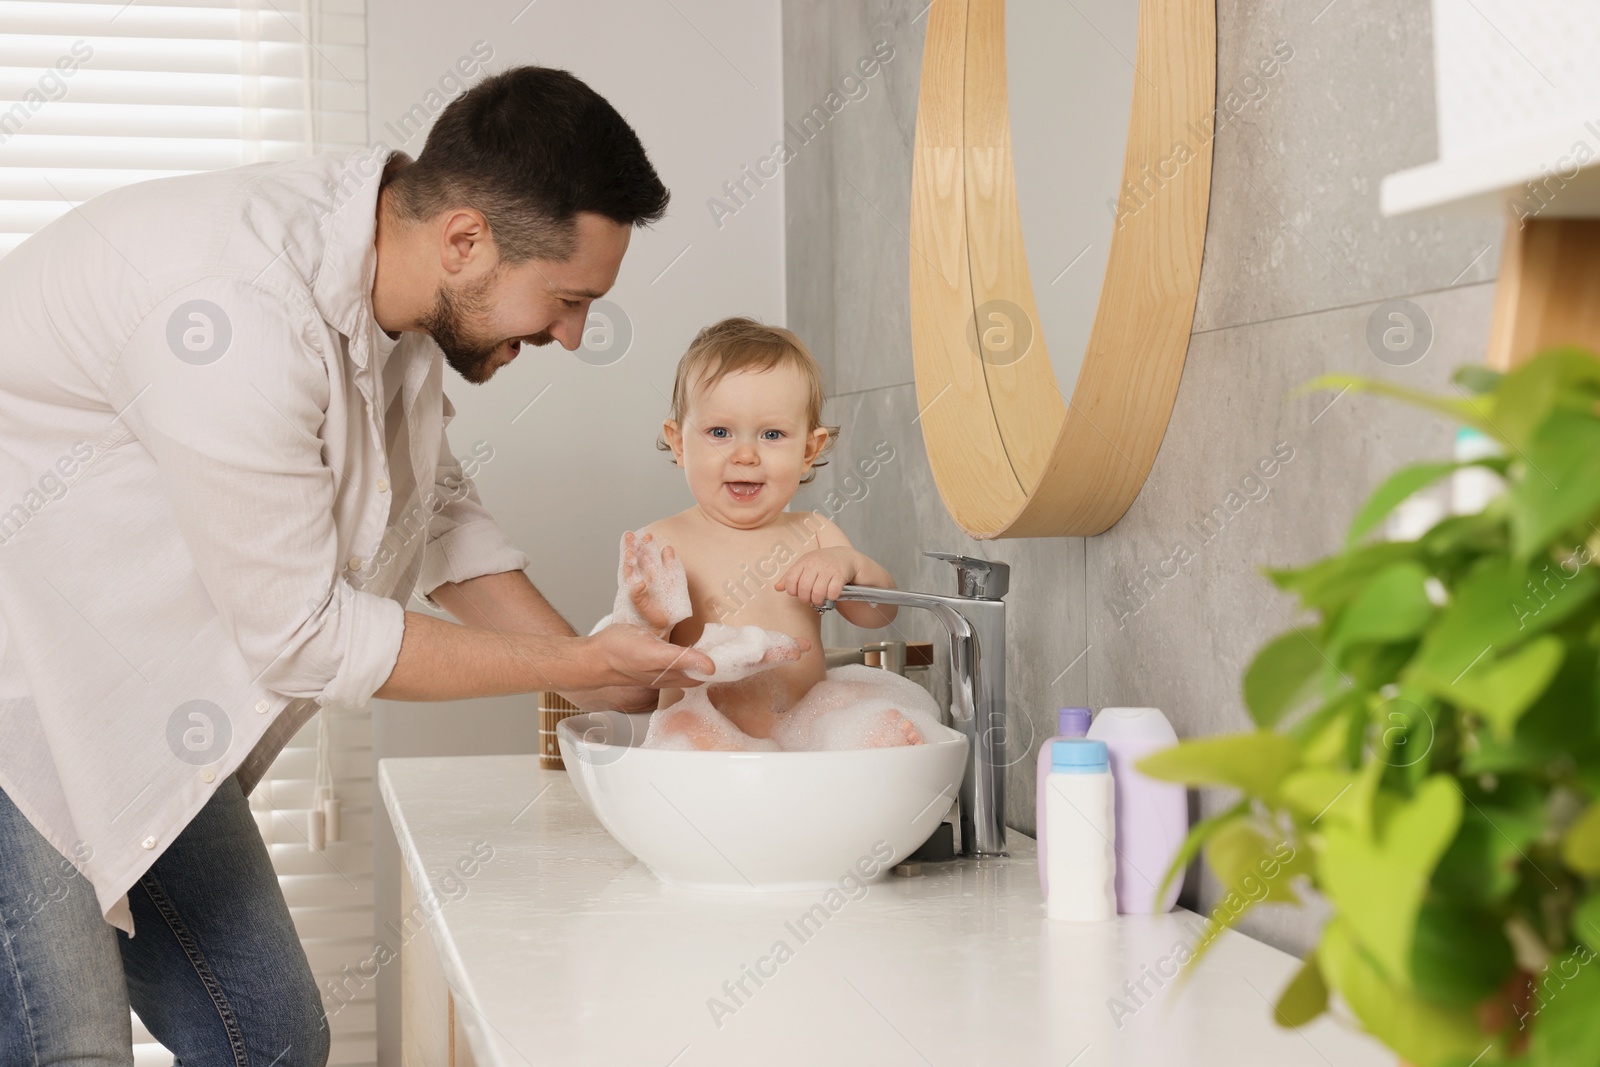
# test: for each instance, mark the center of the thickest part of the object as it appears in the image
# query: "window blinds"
(96, 95)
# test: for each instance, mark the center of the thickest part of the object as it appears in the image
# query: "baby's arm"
(823, 573)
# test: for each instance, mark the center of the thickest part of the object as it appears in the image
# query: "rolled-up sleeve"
(233, 429)
(463, 539)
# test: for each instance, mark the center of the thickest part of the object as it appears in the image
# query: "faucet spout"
(975, 620)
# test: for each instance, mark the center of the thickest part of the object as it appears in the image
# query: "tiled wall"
(1297, 260)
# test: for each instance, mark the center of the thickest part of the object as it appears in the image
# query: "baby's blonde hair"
(740, 343)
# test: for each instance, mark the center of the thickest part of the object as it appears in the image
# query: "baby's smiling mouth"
(744, 490)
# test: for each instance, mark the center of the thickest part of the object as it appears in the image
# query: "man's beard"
(449, 323)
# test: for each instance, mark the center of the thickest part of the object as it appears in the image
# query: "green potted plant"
(1426, 749)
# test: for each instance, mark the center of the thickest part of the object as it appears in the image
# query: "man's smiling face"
(481, 317)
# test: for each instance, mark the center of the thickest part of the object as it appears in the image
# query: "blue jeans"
(215, 969)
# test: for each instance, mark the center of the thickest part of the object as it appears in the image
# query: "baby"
(746, 427)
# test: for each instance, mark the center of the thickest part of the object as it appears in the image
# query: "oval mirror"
(1060, 184)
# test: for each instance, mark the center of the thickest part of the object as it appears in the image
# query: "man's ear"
(674, 436)
(464, 240)
(814, 443)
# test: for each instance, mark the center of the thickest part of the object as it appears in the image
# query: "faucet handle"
(980, 579)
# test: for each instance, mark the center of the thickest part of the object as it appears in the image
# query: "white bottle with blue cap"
(1080, 820)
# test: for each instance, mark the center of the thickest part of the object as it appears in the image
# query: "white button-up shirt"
(220, 481)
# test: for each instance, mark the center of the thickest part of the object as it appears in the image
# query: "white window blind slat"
(141, 122)
(92, 84)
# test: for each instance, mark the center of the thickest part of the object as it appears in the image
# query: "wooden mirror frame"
(1010, 457)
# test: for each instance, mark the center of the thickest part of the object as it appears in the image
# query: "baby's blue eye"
(718, 431)
(772, 435)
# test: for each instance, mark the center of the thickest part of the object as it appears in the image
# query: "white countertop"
(560, 949)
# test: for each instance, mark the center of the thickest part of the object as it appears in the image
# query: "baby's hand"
(821, 574)
(640, 571)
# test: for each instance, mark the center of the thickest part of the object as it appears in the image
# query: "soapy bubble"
(857, 706)
(737, 652)
(665, 581)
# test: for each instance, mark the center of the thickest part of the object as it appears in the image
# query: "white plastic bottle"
(1070, 722)
(1080, 821)
(1152, 816)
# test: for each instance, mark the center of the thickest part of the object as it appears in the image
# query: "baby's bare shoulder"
(816, 527)
(677, 531)
(667, 527)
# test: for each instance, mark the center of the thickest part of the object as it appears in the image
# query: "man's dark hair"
(529, 148)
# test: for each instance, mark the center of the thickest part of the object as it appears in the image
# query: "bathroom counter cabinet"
(532, 938)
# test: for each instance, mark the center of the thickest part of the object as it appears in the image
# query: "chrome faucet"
(975, 618)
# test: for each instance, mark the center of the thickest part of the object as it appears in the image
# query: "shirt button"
(148, 842)
(355, 563)
(208, 776)
(262, 706)
(383, 485)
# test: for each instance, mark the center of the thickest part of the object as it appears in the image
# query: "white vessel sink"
(759, 821)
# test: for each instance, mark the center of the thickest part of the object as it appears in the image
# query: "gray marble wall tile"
(849, 255)
(1294, 223)
(1297, 261)
(808, 182)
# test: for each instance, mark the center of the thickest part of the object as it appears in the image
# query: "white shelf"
(1489, 180)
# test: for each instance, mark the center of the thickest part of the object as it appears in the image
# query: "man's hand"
(632, 657)
(616, 698)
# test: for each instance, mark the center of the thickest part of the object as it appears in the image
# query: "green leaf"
(1305, 997)
(1378, 882)
(1424, 1034)
(1467, 537)
(1560, 489)
(1318, 793)
(1328, 584)
(1395, 488)
(1552, 380)
(1491, 610)
(1462, 410)
(1566, 1030)
(1502, 689)
(1312, 791)
(1281, 675)
(1197, 837)
(1254, 762)
(1586, 921)
(1392, 606)
(1580, 848)
(1481, 865)
(1408, 728)
(1321, 734)
(1477, 378)
(1248, 862)
(1561, 728)
(1460, 955)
